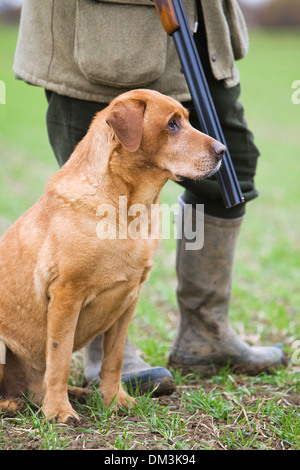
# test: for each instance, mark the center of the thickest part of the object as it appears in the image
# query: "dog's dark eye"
(173, 125)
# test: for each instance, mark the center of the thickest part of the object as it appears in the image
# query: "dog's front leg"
(111, 370)
(63, 312)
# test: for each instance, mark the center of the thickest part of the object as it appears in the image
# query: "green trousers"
(68, 120)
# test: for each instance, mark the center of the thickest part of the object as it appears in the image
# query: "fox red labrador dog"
(60, 283)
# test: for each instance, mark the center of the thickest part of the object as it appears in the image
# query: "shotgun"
(174, 21)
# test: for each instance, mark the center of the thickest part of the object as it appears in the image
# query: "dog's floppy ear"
(126, 119)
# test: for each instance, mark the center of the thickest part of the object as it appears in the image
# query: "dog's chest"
(120, 281)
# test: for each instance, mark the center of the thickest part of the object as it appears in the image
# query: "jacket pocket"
(119, 43)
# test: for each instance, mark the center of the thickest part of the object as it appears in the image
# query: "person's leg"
(67, 122)
(239, 140)
(205, 340)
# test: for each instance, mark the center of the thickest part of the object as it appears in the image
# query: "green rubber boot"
(205, 340)
(136, 373)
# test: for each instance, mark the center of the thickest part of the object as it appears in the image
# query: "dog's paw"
(10, 407)
(114, 401)
(125, 400)
(79, 394)
(61, 414)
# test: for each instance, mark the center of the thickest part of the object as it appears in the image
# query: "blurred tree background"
(272, 13)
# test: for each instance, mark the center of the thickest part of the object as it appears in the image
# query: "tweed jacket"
(96, 49)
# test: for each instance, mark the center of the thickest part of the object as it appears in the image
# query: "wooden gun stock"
(167, 15)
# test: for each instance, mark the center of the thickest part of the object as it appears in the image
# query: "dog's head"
(156, 129)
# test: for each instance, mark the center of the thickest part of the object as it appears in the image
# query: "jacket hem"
(65, 90)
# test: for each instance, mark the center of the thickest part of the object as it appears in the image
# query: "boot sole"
(212, 369)
(157, 380)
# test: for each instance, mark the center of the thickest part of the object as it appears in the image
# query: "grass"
(226, 411)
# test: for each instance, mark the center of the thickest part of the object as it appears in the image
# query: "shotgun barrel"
(174, 20)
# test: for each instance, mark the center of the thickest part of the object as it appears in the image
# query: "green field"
(226, 411)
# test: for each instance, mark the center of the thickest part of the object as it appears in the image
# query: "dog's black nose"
(219, 150)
